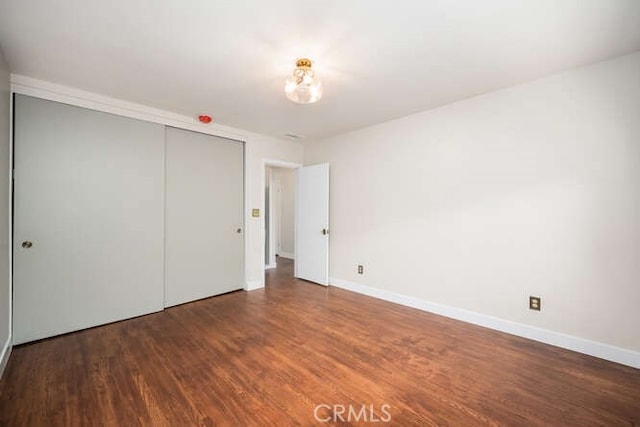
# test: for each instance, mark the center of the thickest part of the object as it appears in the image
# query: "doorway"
(279, 214)
(296, 213)
(279, 238)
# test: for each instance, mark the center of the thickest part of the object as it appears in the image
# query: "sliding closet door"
(88, 218)
(204, 221)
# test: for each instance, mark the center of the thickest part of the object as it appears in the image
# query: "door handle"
(239, 231)
(27, 244)
(325, 231)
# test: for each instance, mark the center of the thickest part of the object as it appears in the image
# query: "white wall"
(285, 182)
(532, 190)
(5, 283)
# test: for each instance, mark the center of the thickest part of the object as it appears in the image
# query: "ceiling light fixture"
(303, 87)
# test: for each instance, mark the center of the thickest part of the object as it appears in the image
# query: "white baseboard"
(270, 266)
(569, 342)
(253, 285)
(286, 255)
(4, 357)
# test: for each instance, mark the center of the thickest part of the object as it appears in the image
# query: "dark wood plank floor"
(268, 357)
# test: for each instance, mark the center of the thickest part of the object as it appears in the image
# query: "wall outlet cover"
(535, 303)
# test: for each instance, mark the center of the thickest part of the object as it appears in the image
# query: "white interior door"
(312, 224)
(88, 218)
(204, 216)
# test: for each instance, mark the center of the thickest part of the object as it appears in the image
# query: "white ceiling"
(379, 59)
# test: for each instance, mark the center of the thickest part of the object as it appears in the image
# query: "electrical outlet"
(535, 303)
(360, 269)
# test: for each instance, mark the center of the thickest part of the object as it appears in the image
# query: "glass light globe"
(303, 87)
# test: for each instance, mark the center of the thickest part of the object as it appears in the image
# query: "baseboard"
(569, 342)
(286, 255)
(270, 266)
(4, 357)
(253, 285)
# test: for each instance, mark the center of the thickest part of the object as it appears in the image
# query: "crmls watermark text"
(352, 413)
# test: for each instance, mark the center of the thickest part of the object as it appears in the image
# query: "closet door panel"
(204, 216)
(88, 218)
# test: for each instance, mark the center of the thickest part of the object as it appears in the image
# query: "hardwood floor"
(270, 357)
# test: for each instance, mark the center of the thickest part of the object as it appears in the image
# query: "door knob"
(27, 244)
(239, 230)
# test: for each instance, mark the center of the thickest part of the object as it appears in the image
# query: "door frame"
(5, 348)
(276, 164)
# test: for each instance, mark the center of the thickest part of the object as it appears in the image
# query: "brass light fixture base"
(303, 62)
